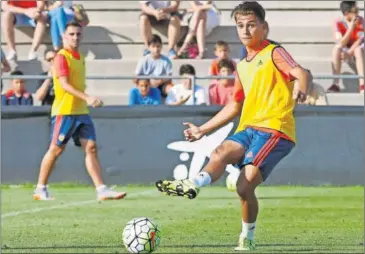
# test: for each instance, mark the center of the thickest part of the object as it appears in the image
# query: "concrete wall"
(133, 146)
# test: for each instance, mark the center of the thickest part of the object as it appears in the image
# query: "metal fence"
(193, 78)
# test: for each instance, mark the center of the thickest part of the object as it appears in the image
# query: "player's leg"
(265, 152)
(230, 151)
(85, 137)
(359, 56)
(61, 130)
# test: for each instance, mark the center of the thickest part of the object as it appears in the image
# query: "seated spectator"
(182, 94)
(221, 92)
(45, 92)
(59, 14)
(144, 94)
(221, 51)
(349, 36)
(202, 22)
(17, 95)
(155, 12)
(155, 64)
(23, 13)
(5, 66)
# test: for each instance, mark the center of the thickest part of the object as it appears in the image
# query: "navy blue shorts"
(262, 149)
(72, 126)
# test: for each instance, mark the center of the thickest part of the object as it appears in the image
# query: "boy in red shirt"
(221, 92)
(348, 33)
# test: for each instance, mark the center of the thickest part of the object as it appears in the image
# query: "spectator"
(182, 94)
(17, 95)
(5, 66)
(348, 33)
(204, 19)
(45, 92)
(221, 92)
(59, 14)
(156, 12)
(144, 94)
(221, 51)
(23, 13)
(155, 64)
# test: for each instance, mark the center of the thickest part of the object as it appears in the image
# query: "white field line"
(67, 205)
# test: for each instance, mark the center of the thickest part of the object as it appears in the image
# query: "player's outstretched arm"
(227, 114)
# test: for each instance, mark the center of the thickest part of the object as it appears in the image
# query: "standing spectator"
(155, 64)
(22, 13)
(156, 12)
(204, 19)
(144, 94)
(221, 93)
(221, 51)
(182, 94)
(59, 14)
(348, 33)
(17, 95)
(45, 91)
(5, 66)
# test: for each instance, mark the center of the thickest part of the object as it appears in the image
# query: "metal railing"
(193, 78)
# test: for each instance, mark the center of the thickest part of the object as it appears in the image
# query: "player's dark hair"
(155, 40)
(249, 8)
(187, 69)
(347, 6)
(220, 43)
(16, 73)
(73, 23)
(225, 63)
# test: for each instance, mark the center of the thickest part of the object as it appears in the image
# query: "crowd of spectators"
(202, 17)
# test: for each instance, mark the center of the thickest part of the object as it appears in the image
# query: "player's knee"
(55, 150)
(91, 148)
(245, 190)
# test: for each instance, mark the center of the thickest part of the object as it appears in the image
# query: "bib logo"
(200, 150)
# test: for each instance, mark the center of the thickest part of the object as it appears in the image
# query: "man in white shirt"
(182, 94)
(156, 12)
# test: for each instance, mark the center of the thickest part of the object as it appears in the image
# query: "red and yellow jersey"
(265, 86)
(340, 29)
(71, 65)
(23, 4)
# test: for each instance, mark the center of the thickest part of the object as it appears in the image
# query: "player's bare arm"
(303, 80)
(227, 114)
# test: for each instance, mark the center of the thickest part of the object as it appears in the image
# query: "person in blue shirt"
(17, 95)
(144, 94)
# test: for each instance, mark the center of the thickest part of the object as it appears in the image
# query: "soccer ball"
(141, 235)
(231, 181)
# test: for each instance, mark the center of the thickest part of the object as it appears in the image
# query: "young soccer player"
(265, 96)
(70, 116)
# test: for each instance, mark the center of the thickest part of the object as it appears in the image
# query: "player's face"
(18, 85)
(222, 52)
(250, 29)
(155, 49)
(144, 87)
(73, 36)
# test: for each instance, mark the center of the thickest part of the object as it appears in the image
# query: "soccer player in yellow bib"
(70, 117)
(265, 96)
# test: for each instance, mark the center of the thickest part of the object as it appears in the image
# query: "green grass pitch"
(291, 220)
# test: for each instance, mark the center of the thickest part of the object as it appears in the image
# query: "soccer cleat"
(245, 244)
(181, 188)
(108, 194)
(42, 194)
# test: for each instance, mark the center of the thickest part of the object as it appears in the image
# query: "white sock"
(202, 179)
(41, 186)
(100, 188)
(248, 230)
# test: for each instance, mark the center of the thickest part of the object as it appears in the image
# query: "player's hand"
(193, 132)
(94, 102)
(299, 96)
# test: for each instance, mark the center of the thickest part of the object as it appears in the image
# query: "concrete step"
(127, 68)
(127, 5)
(274, 17)
(131, 34)
(134, 51)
